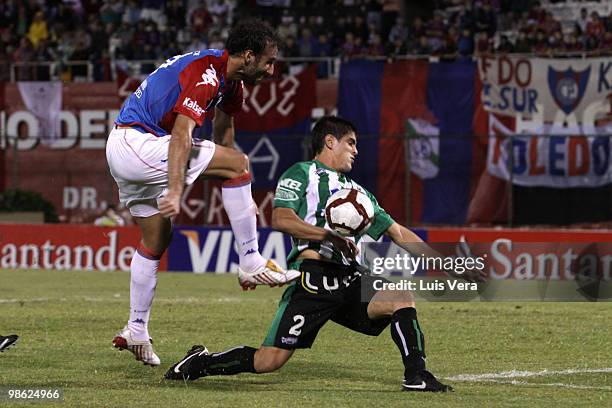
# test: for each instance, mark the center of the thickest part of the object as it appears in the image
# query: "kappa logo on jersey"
(209, 77)
(193, 106)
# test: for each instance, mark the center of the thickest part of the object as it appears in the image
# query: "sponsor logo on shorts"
(289, 340)
(193, 106)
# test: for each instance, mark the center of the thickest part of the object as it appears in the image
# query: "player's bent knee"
(403, 305)
(242, 164)
(385, 303)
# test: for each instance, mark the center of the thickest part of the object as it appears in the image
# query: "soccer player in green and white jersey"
(330, 284)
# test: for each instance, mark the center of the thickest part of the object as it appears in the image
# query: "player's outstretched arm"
(287, 221)
(223, 129)
(410, 241)
(178, 154)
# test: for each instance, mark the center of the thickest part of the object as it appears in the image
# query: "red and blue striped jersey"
(190, 84)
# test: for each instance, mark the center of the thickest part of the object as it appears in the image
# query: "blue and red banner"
(388, 100)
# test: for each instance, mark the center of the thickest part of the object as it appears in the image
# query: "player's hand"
(345, 246)
(169, 205)
(463, 250)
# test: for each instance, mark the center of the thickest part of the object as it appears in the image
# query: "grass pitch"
(67, 320)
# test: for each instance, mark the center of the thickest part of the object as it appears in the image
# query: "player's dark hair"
(329, 125)
(251, 34)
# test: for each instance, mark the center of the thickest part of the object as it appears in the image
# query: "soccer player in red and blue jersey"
(152, 156)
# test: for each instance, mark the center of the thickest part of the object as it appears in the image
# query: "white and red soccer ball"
(349, 212)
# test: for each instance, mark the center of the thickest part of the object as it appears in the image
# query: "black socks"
(233, 361)
(407, 335)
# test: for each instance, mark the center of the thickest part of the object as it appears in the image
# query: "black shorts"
(325, 291)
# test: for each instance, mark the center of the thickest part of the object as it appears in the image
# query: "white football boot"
(269, 274)
(142, 350)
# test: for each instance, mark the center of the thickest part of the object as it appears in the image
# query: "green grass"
(67, 320)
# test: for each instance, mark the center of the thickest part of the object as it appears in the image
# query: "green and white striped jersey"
(305, 188)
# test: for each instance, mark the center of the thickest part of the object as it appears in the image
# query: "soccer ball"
(349, 212)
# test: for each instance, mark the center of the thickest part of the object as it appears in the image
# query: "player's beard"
(252, 75)
(254, 78)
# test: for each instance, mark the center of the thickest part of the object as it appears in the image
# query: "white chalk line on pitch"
(505, 377)
(558, 385)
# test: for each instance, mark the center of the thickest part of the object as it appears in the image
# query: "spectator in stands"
(175, 14)
(24, 53)
(555, 41)
(287, 26)
(417, 29)
(215, 41)
(146, 53)
(485, 19)
(350, 47)
(390, 12)
(374, 13)
(68, 18)
(38, 29)
(131, 13)
(80, 55)
(21, 25)
(398, 31)
(8, 11)
(111, 12)
(549, 25)
(219, 11)
(196, 43)
(482, 43)
(524, 24)
(541, 42)
(466, 17)
(582, 21)
(397, 47)
(595, 28)
(336, 36)
(153, 10)
(436, 31)
(465, 43)
(571, 43)
(522, 44)
(358, 28)
(290, 49)
(507, 21)
(537, 14)
(375, 47)
(422, 47)
(42, 53)
(99, 37)
(323, 48)
(200, 19)
(306, 43)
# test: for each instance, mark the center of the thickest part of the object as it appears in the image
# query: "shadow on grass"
(283, 380)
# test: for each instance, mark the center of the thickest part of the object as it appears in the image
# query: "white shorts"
(139, 164)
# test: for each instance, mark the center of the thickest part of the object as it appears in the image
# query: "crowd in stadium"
(101, 30)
